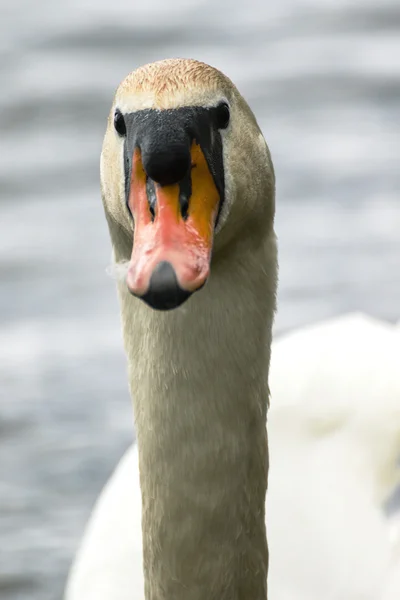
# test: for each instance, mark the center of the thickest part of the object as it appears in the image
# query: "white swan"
(188, 188)
(334, 430)
(334, 434)
(184, 170)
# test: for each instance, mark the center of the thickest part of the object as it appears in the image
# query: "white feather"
(334, 432)
(118, 270)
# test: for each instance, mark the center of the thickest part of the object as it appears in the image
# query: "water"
(324, 81)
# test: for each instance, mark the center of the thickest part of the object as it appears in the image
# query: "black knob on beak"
(167, 165)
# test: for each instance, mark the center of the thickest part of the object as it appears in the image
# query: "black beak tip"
(164, 292)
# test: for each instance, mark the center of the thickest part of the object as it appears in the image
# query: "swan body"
(334, 436)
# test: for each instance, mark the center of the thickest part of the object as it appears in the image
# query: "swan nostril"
(151, 197)
(185, 194)
(184, 204)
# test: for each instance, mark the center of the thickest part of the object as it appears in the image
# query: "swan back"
(334, 432)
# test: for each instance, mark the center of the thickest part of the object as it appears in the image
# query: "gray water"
(323, 78)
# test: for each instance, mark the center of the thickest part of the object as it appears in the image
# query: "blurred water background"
(323, 78)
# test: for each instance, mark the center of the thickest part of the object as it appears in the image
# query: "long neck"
(199, 381)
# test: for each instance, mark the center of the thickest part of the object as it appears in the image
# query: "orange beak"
(169, 241)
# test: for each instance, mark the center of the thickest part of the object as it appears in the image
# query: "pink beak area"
(164, 236)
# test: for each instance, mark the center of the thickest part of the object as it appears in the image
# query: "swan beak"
(173, 233)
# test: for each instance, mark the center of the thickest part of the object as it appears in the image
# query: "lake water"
(323, 78)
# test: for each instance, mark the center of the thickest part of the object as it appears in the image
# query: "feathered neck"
(199, 381)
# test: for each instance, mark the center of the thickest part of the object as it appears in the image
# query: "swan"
(188, 189)
(334, 438)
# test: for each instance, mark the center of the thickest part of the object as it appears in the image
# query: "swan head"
(184, 171)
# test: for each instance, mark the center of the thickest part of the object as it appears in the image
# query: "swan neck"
(198, 378)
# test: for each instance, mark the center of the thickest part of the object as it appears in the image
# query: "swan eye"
(119, 123)
(222, 115)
